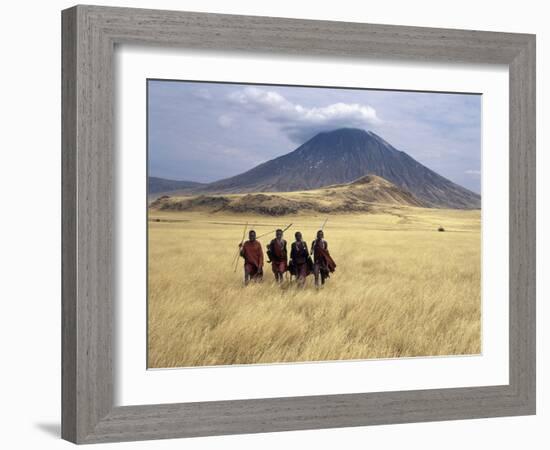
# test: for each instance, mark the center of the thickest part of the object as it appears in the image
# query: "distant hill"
(341, 156)
(360, 195)
(157, 185)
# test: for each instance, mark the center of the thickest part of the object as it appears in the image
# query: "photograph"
(303, 224)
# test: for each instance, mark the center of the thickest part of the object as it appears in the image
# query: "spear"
(273, 231)
(236, 260)
(322, 228)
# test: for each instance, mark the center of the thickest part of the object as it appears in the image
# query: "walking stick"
(239, 250)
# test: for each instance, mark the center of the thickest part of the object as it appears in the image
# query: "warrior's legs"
(316, 275)
(279, 271)
(302, 276)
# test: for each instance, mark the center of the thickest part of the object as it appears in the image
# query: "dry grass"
(401, 289)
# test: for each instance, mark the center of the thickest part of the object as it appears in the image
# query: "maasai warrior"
(323, 264)
(301, 261)
(277, 254)
(253, 256)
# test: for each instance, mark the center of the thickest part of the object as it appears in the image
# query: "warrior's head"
(251, 235)
(298, 236)
(279, 234)
(320, 234)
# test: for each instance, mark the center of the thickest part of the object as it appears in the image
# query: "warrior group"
(303, 261)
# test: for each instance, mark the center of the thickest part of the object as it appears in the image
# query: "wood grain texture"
(89, 36)
(523, 224)
(68, 226)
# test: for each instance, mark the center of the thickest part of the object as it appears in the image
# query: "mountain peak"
(346, 131)
(349, 138)
(342, 133)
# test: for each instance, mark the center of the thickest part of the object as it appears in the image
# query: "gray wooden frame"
(89, 36)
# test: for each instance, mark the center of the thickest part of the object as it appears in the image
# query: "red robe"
(253, 256)
(278, 256)
(321, 256)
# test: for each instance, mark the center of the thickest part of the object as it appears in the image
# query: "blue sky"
(209, 131)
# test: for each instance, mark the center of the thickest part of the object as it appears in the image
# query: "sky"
(204, 132)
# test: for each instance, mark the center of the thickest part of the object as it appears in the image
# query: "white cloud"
(472, 172)
(301, 123)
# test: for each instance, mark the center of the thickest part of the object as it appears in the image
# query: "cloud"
(473, 172)
(300, 123)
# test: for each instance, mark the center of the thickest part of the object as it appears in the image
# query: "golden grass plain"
(401, 289)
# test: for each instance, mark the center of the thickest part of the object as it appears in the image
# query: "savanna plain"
(401, 289)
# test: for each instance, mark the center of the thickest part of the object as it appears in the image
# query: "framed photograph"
(277, 224)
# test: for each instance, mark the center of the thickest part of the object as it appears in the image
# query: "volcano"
(342, 156)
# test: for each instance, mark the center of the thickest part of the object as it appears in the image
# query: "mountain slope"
(156, 185)
(360, 195)
(341, 156)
